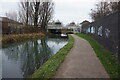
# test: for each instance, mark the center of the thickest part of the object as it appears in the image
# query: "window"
(100, 31)
(92, 30)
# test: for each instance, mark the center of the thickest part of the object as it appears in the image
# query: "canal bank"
(49, 69)
(12, 38)
(22, 60)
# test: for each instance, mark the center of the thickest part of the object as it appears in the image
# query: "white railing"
(62, 27)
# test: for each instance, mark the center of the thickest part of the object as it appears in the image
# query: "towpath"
(81, 62)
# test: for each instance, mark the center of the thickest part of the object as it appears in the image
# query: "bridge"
(63, 29)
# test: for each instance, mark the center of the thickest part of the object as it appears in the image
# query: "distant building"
(73, 27)
(10, 26)
(72, 24)
(58, 23)
(55, 25)
(59, 27)
(84, 24)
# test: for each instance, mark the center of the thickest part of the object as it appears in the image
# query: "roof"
(8, 20)
(4, 19)
(85, 22)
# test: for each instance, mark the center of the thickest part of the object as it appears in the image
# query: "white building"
(59, 25)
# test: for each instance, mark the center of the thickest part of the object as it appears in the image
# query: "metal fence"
(105, 31)
(119, 36)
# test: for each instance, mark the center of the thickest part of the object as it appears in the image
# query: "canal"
(20, 61)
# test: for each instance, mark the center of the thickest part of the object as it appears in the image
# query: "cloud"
(9, 0)
(73, 10)
(65, 10)
(8, 6)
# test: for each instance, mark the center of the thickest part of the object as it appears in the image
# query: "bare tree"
(46, 14)
(24, 12)
(42, 13)
(37, 13)
(114, 6)
(103, 9)
(12, 15)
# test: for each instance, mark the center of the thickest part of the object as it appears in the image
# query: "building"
(84, 24)
(9, 26)
(75, 28)
(55, 27)
(58, 27)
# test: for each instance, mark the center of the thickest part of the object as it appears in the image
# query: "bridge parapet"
(61, 27)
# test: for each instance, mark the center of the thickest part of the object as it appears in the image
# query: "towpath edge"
(81, 62)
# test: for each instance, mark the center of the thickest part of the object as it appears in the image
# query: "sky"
(65, 11)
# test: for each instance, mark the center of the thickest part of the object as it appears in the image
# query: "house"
(55, 27)
(84, 24)
(9, 26)
(58, 27)
(74, 27)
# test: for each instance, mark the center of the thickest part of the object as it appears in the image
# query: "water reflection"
(22, 60)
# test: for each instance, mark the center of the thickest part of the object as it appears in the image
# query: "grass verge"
(110, 64)
(48, 69)
(20, 37)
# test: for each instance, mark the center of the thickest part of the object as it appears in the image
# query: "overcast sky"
(65, 10)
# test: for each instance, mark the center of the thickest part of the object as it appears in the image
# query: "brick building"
(9, 26)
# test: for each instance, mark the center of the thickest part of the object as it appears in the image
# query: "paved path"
(81, 62)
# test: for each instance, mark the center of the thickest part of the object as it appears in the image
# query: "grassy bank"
(48, 70)
(109, 63)
(20, 37)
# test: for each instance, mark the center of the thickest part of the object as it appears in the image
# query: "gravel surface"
(81, 62)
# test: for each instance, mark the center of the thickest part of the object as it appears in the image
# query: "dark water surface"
(20, 61)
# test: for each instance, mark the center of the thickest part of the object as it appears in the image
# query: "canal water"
(20, 61)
